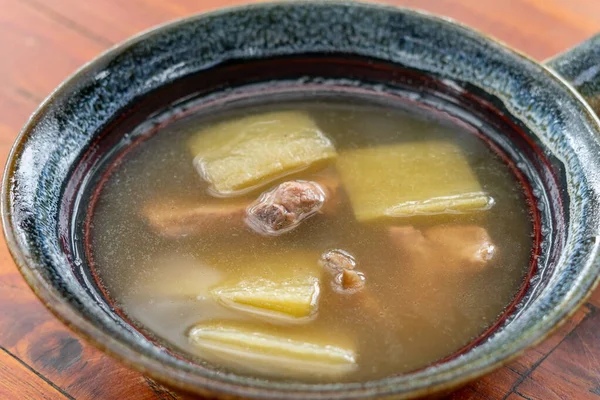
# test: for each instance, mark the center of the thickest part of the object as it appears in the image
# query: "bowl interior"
(277, 82)
(305, 49)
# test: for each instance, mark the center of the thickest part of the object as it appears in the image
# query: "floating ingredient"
(335, 261)
(410, 179)
(280, 287)
(291, 300)
(341, 264)
(261, 351)
(350, 281)
(453, 248)
(284, 207)
(243, 154)
(172, 220)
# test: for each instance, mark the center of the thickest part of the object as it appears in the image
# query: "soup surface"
(419, 238)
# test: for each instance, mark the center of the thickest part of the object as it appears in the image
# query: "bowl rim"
(56, 303)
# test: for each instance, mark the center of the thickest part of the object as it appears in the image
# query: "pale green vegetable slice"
(242, 154)
(410, 179)
(264, 351)
(293, 298)
(277, 287)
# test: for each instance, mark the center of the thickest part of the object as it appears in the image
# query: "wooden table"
(43, 41)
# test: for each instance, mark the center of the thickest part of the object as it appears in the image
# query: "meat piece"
(300, 197)
(336, 261)
(412, 245)
(284, 207)
(188, 219)
(342, 265)
(463, 247)
(273, 215)
(171, 218)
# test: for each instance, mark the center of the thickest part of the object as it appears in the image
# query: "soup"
(312, 240)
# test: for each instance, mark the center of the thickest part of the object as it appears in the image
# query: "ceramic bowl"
(312, 46)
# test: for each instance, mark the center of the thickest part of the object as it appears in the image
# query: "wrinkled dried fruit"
(261, 351)
(349, 281)
(336, 260)
(237, 155)
(352, 279)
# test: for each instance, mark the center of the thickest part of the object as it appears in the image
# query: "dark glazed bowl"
(315, 44)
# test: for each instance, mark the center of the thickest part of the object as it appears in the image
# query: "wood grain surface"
(43, 41)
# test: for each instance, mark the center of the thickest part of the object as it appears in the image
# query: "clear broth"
(428, 316)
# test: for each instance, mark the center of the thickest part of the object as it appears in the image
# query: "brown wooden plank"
(466, 393)
(15, 108)
(493, 386)
(572, 370)
(532, 357)
(541, 29)
(496, 384)
(538, 28)
(35, 336)
(117, 20)
(42, 51)
(30, 331)
(18, 381)
(595, 298)
(515, 396)
(527, 30)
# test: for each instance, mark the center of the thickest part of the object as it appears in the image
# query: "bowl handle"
(580, 66)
